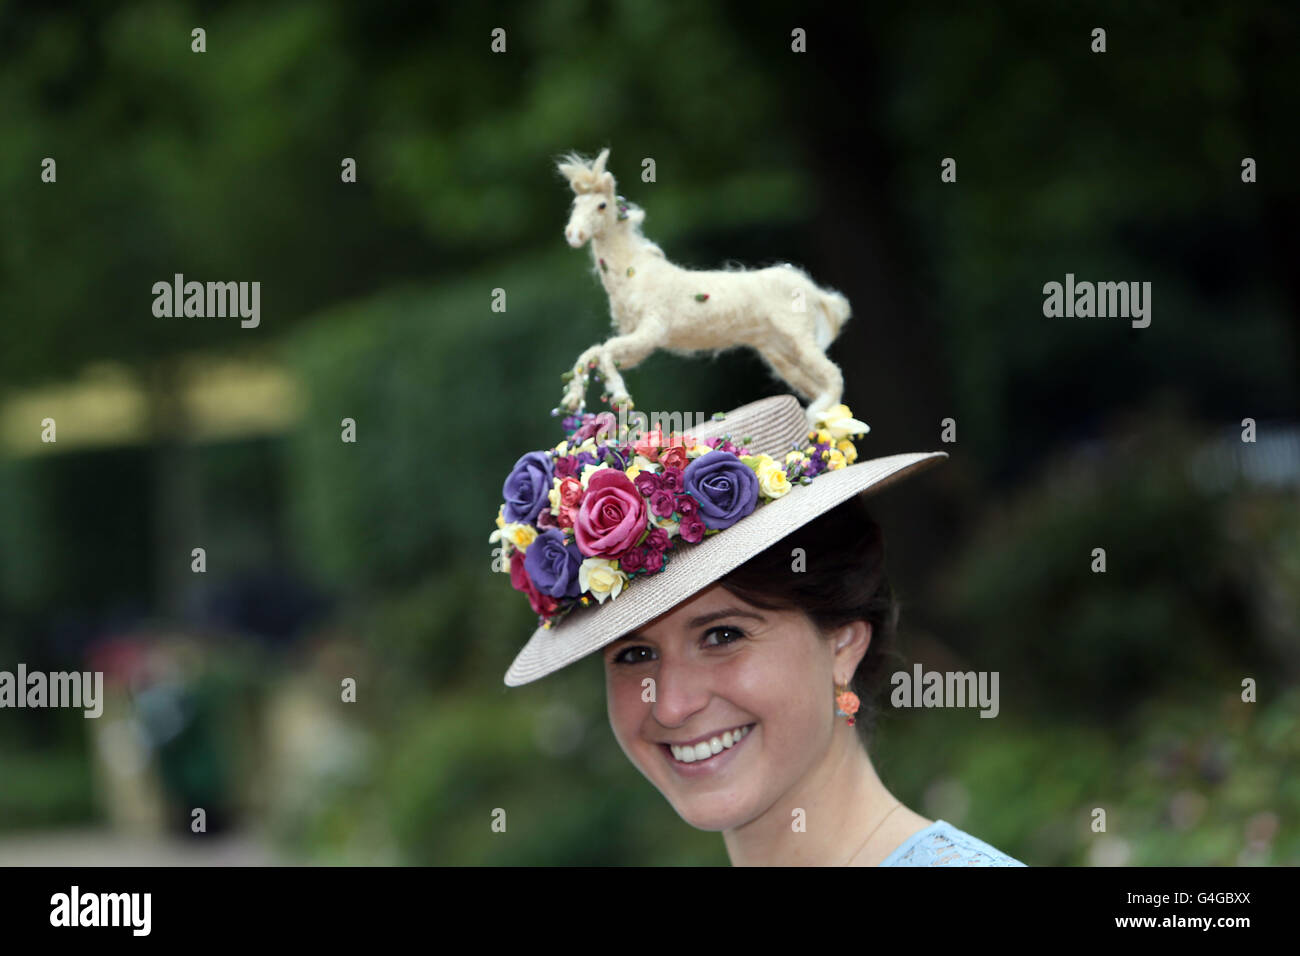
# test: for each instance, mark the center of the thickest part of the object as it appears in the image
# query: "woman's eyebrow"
(701, 620)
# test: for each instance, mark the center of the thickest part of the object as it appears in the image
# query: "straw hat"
(769, 427)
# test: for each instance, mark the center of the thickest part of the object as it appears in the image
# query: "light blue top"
(942, 844)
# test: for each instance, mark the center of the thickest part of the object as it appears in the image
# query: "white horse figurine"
(778, 311)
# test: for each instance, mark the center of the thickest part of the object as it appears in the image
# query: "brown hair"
(842, 579)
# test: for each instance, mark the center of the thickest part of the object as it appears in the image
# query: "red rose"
(633, 559)
(542, 604)
(570, 491)
(691, 529)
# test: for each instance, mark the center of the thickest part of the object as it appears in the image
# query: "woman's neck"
(848, 818)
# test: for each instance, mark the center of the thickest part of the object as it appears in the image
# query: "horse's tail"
(833, 311)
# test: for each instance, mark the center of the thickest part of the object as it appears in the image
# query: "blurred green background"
(371, 560)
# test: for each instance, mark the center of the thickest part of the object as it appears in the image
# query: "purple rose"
(725, 487)
(552, 564)
(527, 487)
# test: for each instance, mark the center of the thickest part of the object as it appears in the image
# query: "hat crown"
(773, 425)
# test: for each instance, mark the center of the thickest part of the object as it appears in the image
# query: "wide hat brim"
(691, 568)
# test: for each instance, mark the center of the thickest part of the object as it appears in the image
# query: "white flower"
(840, 423)
(589, 470)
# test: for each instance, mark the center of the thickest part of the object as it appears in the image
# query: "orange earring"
(846, 702)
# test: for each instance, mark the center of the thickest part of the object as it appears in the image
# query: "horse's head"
(595, 206)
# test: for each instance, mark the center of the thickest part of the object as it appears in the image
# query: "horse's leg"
(629, 351)
(575, 395)
(832, 379)
(805, 368)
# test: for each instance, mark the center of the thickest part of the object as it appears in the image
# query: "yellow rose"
(501, 517)
(522, 535)
(601, 577)
(772, 481)
(516, 535)
(795, 456)
(835, 459)
(850, 452)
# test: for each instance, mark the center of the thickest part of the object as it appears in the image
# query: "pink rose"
(633, 559)
(687, 506)
(612, 515)
(654, 560)
(657, 540)
(672, 477)
(649, 444)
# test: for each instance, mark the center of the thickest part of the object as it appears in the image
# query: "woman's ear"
(851, 642)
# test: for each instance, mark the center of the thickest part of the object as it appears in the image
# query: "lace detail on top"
(942, 844)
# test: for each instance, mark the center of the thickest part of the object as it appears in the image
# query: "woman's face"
(716, 664)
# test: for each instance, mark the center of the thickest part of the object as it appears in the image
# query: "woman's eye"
(622, 656)
(737, 635)
(602, 206)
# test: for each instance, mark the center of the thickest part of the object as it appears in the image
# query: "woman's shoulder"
(942, 844)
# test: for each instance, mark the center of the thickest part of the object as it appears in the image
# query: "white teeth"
(706, 749)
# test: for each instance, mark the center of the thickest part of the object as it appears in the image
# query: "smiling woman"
(735, 597)
(722, 704)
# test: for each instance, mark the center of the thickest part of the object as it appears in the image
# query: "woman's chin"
(713, 813)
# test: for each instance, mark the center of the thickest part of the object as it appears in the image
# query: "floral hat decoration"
(584, 524)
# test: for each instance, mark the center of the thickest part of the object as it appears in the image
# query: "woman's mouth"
(705, 755)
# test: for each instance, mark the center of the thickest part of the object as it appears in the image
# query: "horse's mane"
(581, 175)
